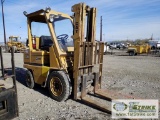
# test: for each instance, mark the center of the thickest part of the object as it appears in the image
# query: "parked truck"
(138, 49)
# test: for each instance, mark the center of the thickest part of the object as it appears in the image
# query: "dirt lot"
(132, 75)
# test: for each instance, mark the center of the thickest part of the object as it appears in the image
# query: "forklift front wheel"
(29, 79)
(58, 86)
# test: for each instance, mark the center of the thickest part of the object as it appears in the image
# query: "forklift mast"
(85, 49)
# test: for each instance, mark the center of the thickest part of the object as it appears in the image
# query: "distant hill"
(1, 43)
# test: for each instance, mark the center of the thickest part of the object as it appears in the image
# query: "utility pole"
(104, 37)
(152, 36)
(101, 29)
(2, 1)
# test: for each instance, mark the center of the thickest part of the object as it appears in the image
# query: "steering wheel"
(62, 37)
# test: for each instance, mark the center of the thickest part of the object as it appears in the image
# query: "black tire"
(131, 53)
(59, 86)
(29, 79)
(153, 48)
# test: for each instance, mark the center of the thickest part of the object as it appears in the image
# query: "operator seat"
(45, 42)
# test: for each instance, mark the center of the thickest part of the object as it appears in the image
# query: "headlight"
(51, 18)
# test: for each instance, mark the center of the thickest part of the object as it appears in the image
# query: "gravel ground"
(132, 75)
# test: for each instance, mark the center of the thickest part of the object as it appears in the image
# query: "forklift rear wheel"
(59, 86)
(29, 79)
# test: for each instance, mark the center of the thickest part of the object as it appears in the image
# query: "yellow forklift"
(66, 69)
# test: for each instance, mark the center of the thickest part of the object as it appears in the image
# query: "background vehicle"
(117, 45)
(121, 46)
(138, 49)
(14, 41)
(154, 44)
(113, 45)
(106, 47)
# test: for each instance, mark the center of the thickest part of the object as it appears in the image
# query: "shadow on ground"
(133, 55)
(21, 76)
(121, 55)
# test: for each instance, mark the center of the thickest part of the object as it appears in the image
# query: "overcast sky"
(122, 19)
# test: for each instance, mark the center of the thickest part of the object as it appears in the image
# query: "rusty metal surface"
(97, 104)
(113, 95)
(96, 81)
(9, 110)
(83, 89)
